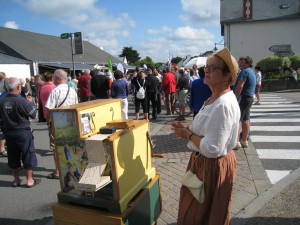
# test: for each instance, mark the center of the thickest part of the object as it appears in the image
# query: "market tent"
(199, 61)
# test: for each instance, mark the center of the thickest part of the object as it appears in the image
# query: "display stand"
(104, 177)
(144, 209)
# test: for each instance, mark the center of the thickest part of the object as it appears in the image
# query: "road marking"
(274, 106)
(275, 128)
(272, 110)
(255, 138)
(279, 153)
(277, 175)
(272, 120)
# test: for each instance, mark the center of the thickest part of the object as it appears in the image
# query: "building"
(45, 52)
(251, 27)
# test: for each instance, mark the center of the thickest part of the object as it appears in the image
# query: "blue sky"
(156, 28)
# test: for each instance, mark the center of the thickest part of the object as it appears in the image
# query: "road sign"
(283, 54)
(65, 36)
(280, 48)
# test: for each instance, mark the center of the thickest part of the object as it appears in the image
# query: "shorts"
(257, 88)
(20, 145)
(182, 97)
(245, 105)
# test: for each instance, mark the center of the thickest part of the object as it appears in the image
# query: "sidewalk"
(254, 201)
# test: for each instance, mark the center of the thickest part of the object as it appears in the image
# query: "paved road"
(23, 206)
(275, 128)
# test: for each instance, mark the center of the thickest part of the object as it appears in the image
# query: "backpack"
(141, 92)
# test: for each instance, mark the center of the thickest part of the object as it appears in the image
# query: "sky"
(160, 29)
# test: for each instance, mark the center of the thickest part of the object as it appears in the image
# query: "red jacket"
(169, 83)
(83, 85)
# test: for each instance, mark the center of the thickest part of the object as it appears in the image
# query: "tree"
(148, 61)
(176, 60)
(132, 55)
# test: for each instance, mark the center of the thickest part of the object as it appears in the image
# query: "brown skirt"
(219, 175)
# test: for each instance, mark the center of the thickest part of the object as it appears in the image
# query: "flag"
(110, 67)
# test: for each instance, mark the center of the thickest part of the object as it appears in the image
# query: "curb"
(257, 204)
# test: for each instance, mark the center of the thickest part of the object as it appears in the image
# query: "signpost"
(78, 49)
(281, 50)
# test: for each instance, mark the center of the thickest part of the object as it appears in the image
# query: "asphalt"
(255, 200)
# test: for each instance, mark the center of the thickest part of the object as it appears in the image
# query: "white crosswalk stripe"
(275, 133)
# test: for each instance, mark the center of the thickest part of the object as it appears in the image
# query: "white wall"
(255, 38)
(16, 70)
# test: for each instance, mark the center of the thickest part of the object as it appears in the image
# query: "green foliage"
(176, 60)
(158, 64)
(66, 135)
(148, 61)
(132, 55)
(273, 67)
(295, 61)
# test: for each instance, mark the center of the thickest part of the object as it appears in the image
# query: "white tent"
(199, 61)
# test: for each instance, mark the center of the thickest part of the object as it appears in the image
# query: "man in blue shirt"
(244, 91)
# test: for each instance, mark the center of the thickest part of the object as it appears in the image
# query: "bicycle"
(188, 111)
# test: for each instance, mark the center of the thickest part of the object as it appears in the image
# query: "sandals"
(3, 153)
(35, 182)
(16, 184)
(52, 176)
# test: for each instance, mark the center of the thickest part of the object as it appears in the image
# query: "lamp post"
(218, 43)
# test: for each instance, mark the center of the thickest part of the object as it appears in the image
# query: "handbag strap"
(65, 98)
(194, 162)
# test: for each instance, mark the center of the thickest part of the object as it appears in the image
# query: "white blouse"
(218, 124)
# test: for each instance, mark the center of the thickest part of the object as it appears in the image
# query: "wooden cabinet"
(84, 153)
(144, 209)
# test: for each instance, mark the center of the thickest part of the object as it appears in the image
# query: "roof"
(7, 59)
(43, 48)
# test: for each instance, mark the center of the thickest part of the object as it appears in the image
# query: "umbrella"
(199, 61)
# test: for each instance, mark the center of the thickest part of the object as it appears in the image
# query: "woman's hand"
(180, 130)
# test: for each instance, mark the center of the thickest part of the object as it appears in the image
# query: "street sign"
(283, 54)
(78, 43)
(280, 48)
(65, 36)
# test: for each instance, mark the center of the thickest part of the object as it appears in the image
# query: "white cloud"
(11, 24)
(105, 29)
(201, 12)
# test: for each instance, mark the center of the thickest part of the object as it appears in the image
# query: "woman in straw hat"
(211, 137)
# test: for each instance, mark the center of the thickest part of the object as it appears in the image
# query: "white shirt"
(58, 94)
(258, 78)
(218, 124)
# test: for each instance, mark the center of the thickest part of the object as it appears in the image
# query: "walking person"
(83, 85)
(120, 89)
(258, 84)
(61, 95)
(15, 112)
(244, 91)
(152, 91)
(169, 88)
(183, 89)
(211, 137)
(199, 92)
(138, 83)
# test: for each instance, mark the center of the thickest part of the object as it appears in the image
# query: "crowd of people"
(221, 94)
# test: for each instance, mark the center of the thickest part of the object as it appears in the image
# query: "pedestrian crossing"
(275, 133)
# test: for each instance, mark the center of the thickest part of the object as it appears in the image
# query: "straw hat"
(230, 61)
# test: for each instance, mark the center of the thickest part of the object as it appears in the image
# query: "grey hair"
(22, 81)
(12, 83)
(60, 74)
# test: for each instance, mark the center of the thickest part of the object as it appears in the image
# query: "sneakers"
(257, 103)
(244, 144)
(238, 145)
